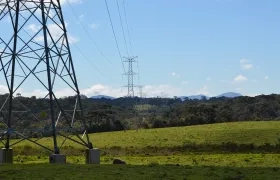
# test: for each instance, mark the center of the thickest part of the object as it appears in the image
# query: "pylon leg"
(92, 156)
(6, 156)
(57, 159)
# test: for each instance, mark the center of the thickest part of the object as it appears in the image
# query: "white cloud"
(34, 28)
(149, 90)
(3, 89)
(266, 78)
(39, 38)
(71, 1)
(175, 75)
(243, 61)
(72, 39)
(38, 93)
(30, 4)
(55, 30)
(204, 90)
(240, 78)
(184, 82)
(33, 4)
(168, 90)
(56, 33)
(100, 89)
(94, 26)
(245, 65)
(81, 17)
(253, 94)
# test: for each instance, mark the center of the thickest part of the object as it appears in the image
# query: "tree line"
(103, 115)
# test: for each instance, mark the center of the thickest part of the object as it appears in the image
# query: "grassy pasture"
(135, 172)
(206, 138)
(194, 152)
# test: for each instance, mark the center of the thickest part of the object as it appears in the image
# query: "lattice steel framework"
(130, 75)
(35, 54)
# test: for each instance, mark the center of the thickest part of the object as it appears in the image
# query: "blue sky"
(184, 47)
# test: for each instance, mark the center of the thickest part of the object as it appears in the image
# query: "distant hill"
(230, 95)
(200, 96)
(101, 96)
(83, 96)
(192, 97)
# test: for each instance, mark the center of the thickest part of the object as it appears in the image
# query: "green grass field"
(170, 140)
(136, 172)
(194, 152)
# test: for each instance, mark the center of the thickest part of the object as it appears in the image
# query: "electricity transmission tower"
(140, 91)
(130, 75)
(35, 57)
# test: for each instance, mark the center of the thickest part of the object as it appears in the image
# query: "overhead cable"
(88, 33)
(114, 35)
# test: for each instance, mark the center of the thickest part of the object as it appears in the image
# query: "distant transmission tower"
(35, 57)
(140, 91)
(130, 75)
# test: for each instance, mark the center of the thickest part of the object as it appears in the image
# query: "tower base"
(57, 159)
(6, 156)
(92, 156)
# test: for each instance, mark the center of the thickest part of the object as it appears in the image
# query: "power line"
(88, 33)
(110, 78)
(122, 27)
(90, 61)
(125, 15)
(130, 76)
(114, 34)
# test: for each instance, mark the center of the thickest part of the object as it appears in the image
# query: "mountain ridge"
(192, 97)
(102, 96)
(200, 96)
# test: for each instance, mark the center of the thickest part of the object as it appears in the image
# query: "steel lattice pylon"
(35, 54)
(130, 76)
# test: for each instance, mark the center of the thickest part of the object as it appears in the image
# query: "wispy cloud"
(70, 1)
(184, 82)
(204, 90)
(94, 26)
(266, 78)
(55, 30)
(242, 61)
(33, 28)
(175, 75)
(240, 78)
(101, 89)
(81, 17)
(245, 65)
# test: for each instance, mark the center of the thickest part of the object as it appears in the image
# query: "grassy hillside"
(203, 137)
